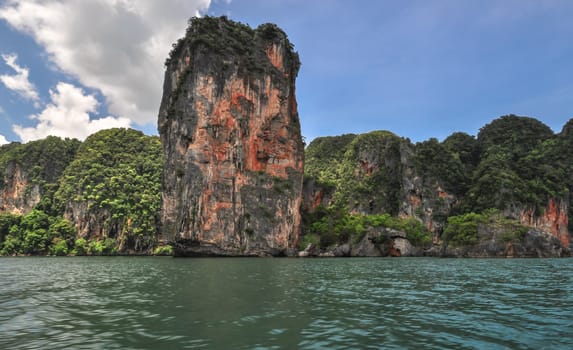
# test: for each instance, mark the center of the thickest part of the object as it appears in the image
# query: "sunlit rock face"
(553, 220)
(231, 138)
(18, 195)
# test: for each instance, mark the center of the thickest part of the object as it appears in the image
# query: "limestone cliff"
(111, 190)
(374, 173)
(352, 181)
(231, 139)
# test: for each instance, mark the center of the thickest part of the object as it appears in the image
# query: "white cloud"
(116, 46)
(68, 115)
(19, 82)
(3, 140)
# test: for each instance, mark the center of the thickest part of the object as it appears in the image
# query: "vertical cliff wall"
(231, 138)
(553, 219)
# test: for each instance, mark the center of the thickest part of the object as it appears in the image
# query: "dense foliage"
(325, 157)
(224, 39)
(46, 159)
(111, 182)
(36, 233)
(435, 161)
(463, 230)
(41, 162)
(521, 162)
(331, 226)
(116, 177)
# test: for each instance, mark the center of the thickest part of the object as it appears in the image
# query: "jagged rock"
(380, 175)
(369, 245)
(402, 247)
(342, 250)
(231, 138)
(310, 250)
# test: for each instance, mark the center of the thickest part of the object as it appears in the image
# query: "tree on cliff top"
(43, 161)
(520, 163)
(323, 157)
(225, 39)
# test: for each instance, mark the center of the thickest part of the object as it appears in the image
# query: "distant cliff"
(111, 190)
(231, 139)
(64, 197)
(504, 193)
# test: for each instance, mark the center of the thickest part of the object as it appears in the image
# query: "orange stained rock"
(275, 56)
(554, 220)
(443, 194)
(415, 200)
(317, 199)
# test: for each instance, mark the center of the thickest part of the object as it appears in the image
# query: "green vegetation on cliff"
(45, 159)
(107, 187)
(224, 36)
(116, 178)
(370, 174)
(434, 160)
(463, 230)
(517, 164)
(228, 45)
(328, 227)
(451, 187)
(324, 158)
(36, 233)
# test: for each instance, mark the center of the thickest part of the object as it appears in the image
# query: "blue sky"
(420, 69)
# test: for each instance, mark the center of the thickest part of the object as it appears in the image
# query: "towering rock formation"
(231, 138)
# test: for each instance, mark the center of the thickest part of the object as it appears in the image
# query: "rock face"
(18, 195)
(231, 138)
(375, 173)
(29, 172)
(553, 220)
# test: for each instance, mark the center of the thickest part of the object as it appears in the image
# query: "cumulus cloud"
(68, 115)
(116, 46)
(18, 82)
(3, 140)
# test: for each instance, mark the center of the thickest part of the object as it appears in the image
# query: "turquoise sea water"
(227, 303)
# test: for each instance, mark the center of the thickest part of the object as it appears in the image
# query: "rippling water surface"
(166, 303)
